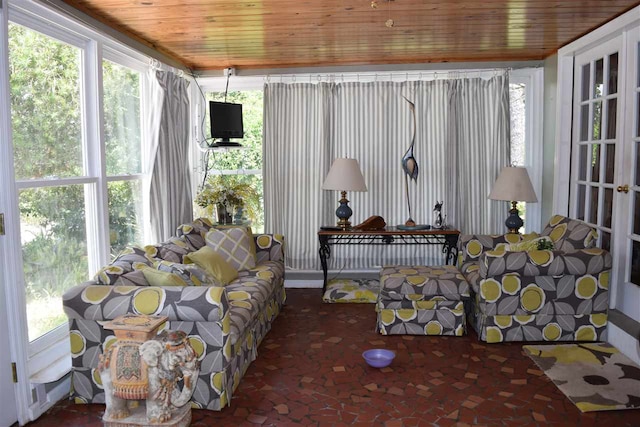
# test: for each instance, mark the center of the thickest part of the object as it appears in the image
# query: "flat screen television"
(226, 123)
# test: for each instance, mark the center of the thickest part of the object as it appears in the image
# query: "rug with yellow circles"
(594, 376)
(352, 291)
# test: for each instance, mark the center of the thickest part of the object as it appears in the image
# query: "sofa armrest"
(269, 247)
(545, 263)
(92, 301)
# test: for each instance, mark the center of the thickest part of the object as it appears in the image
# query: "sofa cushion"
(190, 273)
(213, 263)
(235, 245)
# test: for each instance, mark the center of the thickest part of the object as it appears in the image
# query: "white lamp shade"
(513, 184)
(344, 175)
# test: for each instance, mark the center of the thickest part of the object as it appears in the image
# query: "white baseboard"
(301, 284)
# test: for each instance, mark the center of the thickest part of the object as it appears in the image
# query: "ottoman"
(420, 300)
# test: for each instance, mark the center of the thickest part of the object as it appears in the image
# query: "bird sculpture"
(410, 165)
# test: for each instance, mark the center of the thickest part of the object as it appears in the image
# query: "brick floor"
(433, 381)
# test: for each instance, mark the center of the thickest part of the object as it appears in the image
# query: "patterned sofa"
(225, 324)
(538, 295)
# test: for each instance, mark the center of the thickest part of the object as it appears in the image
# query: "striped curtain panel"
(296, 137)
(170, 185)
(307, 126)
(479, 147)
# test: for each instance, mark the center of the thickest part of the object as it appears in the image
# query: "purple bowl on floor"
(378, 357)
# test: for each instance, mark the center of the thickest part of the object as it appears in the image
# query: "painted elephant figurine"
(154, 375)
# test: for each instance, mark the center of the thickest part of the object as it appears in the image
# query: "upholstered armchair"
(538, 295)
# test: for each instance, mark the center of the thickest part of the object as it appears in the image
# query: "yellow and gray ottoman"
(420, 300)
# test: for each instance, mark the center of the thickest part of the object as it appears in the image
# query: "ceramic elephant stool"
(149, 373)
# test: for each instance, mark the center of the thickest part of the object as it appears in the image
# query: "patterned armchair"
(538, 295)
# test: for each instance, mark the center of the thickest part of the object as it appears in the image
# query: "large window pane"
(125, 214)
(45, 105)
(121, 119)
(54, 251)
(246, 162)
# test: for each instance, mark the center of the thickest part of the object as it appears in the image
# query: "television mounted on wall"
(226, 123)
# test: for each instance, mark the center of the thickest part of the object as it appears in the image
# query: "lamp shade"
(344, 175)
(513, 184)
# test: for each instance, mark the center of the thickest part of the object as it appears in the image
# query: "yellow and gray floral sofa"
(524, 294)
(225, 324)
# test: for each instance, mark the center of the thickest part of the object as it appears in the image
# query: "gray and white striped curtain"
(479, 149)
(170, 185)
(307, 126)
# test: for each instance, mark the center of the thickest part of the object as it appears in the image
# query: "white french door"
(605, 158)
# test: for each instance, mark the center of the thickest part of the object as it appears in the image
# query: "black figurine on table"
(437, 223)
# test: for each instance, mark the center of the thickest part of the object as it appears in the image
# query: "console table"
(389, 236)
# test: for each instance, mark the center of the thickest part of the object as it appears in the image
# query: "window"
(123, 146)
(525, 95)
(243, 165)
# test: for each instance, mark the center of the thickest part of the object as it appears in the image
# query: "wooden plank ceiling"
(215, 34)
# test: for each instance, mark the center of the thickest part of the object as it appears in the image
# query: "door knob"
(623, 188)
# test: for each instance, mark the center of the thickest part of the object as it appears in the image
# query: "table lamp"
(513, 185)
(344, 176)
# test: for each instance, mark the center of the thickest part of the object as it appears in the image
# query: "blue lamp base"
(514, 222)
(344, 212)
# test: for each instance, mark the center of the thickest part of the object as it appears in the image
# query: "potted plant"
(224, 195)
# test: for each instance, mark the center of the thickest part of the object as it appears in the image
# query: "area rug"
(594, 376)
(352, 291)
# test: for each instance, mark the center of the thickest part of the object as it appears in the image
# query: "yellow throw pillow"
(162, 278)
(528, 245)
(213, 263)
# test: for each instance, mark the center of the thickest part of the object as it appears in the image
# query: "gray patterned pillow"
(235, 245)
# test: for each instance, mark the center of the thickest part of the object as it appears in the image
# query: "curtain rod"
(384, 76)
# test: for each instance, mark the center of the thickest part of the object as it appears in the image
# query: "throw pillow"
(190, 273)
(543, 242)
(236, 246)
(214, 264)
(162, 278)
